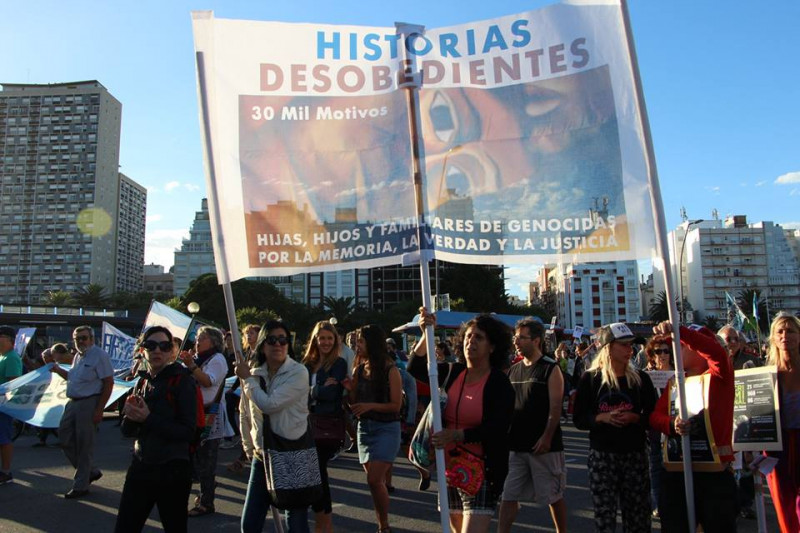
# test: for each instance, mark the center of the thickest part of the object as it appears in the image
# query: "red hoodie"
(720, 393)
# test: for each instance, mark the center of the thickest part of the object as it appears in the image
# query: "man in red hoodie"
(715, 486)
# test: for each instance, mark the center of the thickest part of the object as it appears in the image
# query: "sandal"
(199, 510)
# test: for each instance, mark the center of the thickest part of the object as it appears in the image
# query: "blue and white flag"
(163, 315)
(755, 308)
(24, 336)
(118, 346)
(736, 317)
(38, 398)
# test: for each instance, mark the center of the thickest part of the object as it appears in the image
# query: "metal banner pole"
(663, 251)
(411, 80)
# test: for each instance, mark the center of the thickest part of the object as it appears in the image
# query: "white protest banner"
(532, 142)
(163, 315)
(24, 336)
(38, 397)
(118, 346)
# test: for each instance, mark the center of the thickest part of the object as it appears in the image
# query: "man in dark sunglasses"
(89, 384)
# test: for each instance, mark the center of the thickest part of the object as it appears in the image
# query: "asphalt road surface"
(34, 501)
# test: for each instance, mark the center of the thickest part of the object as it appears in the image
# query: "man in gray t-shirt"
(89, 384)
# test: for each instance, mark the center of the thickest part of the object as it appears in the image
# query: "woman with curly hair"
(477, 415)
(659, 358)
(326, 372)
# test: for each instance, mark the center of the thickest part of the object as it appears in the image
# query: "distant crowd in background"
(505, 394)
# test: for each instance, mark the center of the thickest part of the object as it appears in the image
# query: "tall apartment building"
(196, 256)
(132, 209)
(60, 191)
(734, 256)
(156, 281)
(593, 294)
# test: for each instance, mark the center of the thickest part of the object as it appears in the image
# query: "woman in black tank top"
(375, 399)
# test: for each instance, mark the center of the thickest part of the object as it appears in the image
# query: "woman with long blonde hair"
(614, 402)
(784, 480)
(326, 372)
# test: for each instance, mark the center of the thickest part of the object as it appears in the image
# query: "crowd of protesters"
(507, 391)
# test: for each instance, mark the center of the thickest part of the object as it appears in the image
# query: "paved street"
(34, 501)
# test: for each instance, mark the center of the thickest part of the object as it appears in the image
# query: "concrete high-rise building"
(733, 256)
(196, 256)
(156, 281)
(60, 191)
(132, 218)
(593, 294)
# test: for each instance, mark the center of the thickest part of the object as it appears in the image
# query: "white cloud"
(761, 183)
(714, 190)
(790, 225)
(151, 189)
(160, 245)
(191, 187)
(172, 185)
(154, 218)
(789, 177)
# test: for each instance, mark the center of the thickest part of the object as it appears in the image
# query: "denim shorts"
(378, 441)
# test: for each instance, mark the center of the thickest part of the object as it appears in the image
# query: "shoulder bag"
(292, 467)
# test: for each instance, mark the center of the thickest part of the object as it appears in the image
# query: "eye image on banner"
(527, 169)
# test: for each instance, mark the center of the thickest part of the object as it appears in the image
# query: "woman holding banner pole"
(477, 415)
(784, 480)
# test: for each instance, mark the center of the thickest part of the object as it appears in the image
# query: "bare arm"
(555, 390)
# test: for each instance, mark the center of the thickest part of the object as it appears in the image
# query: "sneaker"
(6, 477)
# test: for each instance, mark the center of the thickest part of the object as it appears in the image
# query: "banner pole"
(411, 81)
(663, 251)
(214, 209)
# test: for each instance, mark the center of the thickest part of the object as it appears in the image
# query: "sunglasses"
(164, 346)
(272, 340)
(81, 338)
(662, 351)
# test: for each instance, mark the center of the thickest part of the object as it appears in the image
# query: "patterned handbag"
(464, 470)
(292, 468)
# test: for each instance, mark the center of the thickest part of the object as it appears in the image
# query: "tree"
(57, 298)
(712, 323)
(659, 310)
(481, 288)
(341, 308)
(745, 303)
(92, 295)
(253, 315)
(131, 300)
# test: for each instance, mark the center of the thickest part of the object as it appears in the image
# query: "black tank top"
(365, 393)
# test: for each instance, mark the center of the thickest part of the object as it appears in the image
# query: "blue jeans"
(257, 503)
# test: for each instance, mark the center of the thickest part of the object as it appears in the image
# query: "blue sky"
(720, 79)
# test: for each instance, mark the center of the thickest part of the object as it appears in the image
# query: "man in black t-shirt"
(536, 466)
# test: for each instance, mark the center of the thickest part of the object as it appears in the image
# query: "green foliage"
(745, 302)
(175, 303)
(481, 288)
(57, 298)
(341, 308)
(712, 323)
(253, 315)
(92, 295)
(131, 300)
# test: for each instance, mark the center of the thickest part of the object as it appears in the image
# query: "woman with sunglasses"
(161, 413)
(659, 358)
(376, 396)
(326, 372)
(275, 385)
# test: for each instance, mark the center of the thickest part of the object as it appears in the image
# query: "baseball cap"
(616, 332)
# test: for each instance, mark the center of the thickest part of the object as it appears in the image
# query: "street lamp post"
(442, 179)
(689, 224)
